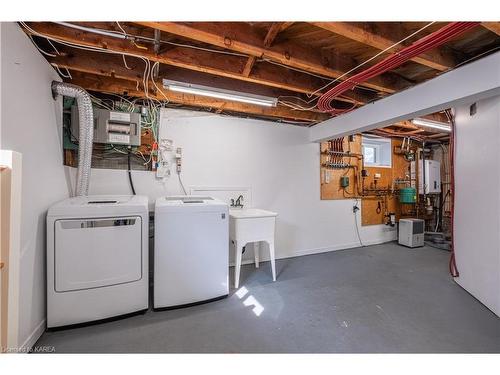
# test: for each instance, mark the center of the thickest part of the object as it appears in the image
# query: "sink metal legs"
(237, 266)
(271, 256)
(256, 253)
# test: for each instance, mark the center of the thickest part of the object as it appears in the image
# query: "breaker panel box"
(429, 176)
(112, 127)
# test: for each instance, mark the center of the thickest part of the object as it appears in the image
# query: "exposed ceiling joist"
(118, 86)
(274, 30)
(435, 59)
(202, 61)
(242, 38)
(248, 66)
(492, 26)
(464, 85)
(112, 65)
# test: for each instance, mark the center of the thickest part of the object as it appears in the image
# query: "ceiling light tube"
(443, 126)
(212, 92)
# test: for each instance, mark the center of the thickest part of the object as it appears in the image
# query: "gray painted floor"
(382, 298)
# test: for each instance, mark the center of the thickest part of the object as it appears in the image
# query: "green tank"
(408, 195)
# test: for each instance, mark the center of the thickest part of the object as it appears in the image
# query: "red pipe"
(428, 42)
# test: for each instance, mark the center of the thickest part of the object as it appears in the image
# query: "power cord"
(355, 210)
(129, 173)
(182, 185)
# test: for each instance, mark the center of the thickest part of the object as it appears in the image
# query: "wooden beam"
(242, 38)
(272, 33)
(118, 86)
(111, 65)
(197, 60)
(201, 61)
(434, 59)
(492, 26)
(248, 66)
(464, 85)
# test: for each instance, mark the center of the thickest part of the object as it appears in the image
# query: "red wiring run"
(422, 45)
(452, 265)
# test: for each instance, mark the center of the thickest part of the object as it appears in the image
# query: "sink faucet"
(237, 203)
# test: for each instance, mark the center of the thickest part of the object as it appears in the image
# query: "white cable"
(350, 71)
(61, 73)
(182, 185)
(125, 63)
(121, 28)
(41, 50)
(125, 35)
(356, 222)
(295, 106)
(119, 151)
(53, 46)
(69, 73)
(374, 57)
(156, 64)
(98, 49)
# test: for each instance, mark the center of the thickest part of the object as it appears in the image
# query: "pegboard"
(372, 208)
(330, 178)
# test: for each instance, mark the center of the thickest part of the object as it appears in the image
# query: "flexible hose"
(86, 131)
(422, 45)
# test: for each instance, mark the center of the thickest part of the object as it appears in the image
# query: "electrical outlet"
(163, 170)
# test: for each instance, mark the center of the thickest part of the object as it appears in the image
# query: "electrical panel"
(429, 177)
(114, 127)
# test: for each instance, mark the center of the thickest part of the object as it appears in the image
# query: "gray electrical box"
(121, 128)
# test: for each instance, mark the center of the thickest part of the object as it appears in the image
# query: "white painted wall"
(477, 202)
(277, 162)
(31, 125)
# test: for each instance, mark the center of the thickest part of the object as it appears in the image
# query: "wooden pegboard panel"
(330, 178)
(372, 208)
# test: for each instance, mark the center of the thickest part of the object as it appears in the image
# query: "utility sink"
(248, 225)
(241, 213)
(251, 224)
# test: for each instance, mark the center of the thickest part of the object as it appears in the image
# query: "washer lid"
(195, 202)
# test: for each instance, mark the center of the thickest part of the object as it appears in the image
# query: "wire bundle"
(424, 44)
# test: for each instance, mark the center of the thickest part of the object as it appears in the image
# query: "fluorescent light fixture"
(212, 92)
(443, 126)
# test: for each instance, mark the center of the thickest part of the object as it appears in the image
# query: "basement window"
(377, 151)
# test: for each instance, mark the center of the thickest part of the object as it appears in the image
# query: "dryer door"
(97, 252)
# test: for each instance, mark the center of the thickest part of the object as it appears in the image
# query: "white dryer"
(191, 251)
(97, 258)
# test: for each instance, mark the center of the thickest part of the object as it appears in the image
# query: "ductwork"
(86, 132)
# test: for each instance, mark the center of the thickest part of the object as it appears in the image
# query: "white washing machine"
(97, 258)
(191, 251)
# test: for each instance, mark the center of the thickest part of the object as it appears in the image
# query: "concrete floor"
(382, 298)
